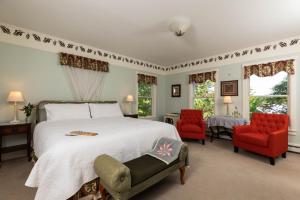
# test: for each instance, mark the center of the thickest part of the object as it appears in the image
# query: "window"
(145, 99)
(269, 94)
(204, 97)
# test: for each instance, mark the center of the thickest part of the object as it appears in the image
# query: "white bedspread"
(66, 162)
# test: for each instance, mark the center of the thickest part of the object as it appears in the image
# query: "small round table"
(223, 125)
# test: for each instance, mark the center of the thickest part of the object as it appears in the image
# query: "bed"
(64, 168)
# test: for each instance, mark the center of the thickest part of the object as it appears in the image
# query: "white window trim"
(154, 97)
(291, 94)
(217, 89)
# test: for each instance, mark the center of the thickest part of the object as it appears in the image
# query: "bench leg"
(102, 192)
(182, 172)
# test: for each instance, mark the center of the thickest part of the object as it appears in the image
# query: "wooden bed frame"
(90, 188)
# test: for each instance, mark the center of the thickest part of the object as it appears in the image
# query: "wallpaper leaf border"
(44, 39)
(237, 54)
(48, 40)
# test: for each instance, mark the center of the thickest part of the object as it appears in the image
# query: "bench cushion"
(145, 167)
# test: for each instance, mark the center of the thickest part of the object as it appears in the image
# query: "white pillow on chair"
(105, 110)
(64, 111)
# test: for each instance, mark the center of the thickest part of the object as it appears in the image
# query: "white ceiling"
(138, 28)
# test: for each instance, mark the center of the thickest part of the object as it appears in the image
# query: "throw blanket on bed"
(166, 150)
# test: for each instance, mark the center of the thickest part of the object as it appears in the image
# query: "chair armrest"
(243, 129)
(179, 124)
(279, 138)
(113, 173)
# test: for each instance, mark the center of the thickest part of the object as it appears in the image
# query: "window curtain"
(202, 77)
(270, 69)
(83, 62)
(150, 80)
(85, 75)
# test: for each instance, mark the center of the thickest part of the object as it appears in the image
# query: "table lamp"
(130, 100)
(15, 96)
(227, 101)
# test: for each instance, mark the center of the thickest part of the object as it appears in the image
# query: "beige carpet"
(215, 173)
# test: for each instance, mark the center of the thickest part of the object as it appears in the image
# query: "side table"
(223, 125)
(7, 129)
(171, 118)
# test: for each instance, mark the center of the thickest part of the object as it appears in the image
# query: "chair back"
(191, 116)
(266, 123)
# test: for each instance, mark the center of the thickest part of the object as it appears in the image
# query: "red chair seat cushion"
(191, 128)
(259, 139)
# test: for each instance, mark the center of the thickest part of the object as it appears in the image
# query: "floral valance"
(83, 62)
(270, 69)
(202, 77)
(150, 80)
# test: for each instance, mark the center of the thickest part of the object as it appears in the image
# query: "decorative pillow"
(57, 112)
(105, 110)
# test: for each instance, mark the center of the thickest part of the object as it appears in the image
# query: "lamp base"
(14, 121)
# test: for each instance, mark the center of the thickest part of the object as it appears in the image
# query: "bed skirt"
(89, 191)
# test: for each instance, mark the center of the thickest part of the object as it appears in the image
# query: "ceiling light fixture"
(179, 25)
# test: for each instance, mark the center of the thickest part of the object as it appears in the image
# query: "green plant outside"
(204, 98)
(276, 104)
(144, 100)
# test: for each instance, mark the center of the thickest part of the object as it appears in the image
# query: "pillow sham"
(57, 112)
(105, 110)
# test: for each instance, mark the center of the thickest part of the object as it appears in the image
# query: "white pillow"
(105, 110)
(63, 111)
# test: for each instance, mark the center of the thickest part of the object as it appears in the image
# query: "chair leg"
(272, 161)
(203, 142)
(283, 155)
(182, 172)
(102, 192)
(236, 149)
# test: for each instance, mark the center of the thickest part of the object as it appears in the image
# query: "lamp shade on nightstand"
(15, 96)
(129, 98)
(227, 100)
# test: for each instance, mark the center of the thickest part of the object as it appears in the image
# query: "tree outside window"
(269, 94)
(204, 98)
(144, 100)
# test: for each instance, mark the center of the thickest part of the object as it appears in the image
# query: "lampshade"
(15, 96)
(227, 99)
(129, 98)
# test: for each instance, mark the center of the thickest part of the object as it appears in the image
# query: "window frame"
(217, 93)
(291, 96)
(153, 96)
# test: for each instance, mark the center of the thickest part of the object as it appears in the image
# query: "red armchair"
(267, 135)
(191, 125)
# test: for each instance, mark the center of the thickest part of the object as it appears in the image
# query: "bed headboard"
(41, 112)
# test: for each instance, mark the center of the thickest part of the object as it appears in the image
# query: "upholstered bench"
(124, 180)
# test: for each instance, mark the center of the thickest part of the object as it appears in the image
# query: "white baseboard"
(294, 147)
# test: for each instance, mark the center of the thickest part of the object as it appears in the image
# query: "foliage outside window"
(145, 100)
(204, 98)
(269, 94)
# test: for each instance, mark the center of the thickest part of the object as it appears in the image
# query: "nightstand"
(131, 115)
(7, 129)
